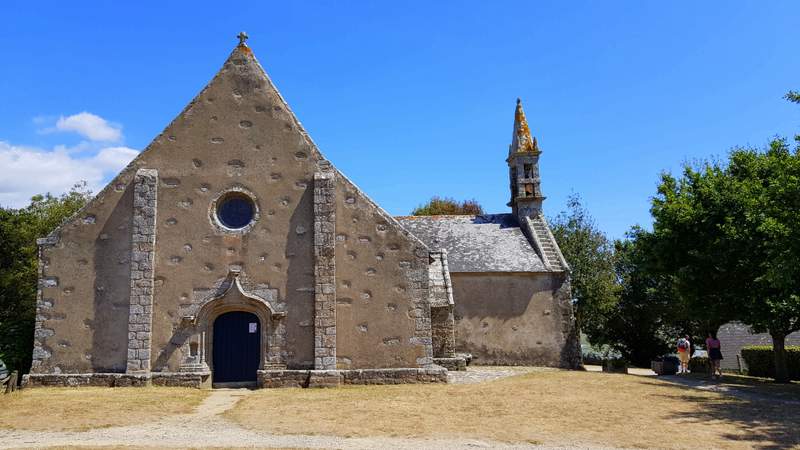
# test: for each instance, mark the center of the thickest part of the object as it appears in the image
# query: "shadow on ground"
(766, 423)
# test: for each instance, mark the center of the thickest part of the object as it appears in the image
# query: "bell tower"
(523, 169)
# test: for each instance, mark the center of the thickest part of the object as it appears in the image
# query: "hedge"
(761, 361)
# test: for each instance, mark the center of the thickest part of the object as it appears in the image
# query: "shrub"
(699, 364)
(593, 358)
(615, 365)
(760, 361)
(595, 355)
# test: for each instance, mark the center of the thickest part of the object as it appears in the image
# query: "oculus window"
(235, 211)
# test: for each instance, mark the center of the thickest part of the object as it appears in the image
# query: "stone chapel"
(231, 252)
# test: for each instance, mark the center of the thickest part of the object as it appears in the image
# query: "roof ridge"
(452, 215)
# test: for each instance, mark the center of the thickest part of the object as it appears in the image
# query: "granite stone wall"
(334, 378)
(442, 332)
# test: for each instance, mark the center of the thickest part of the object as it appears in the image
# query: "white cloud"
(113, 159)
(90, 126)
(26, 171)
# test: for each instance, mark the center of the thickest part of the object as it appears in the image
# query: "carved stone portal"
(232, 293)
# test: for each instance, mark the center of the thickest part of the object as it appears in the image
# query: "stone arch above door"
(233, 293)
(261, 294)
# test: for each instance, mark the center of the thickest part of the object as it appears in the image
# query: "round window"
(235, 211)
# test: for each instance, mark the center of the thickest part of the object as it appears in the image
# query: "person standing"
(684, 353)
(714, 354)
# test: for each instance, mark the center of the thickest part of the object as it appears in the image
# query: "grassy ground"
(551, 407)
(74, 409)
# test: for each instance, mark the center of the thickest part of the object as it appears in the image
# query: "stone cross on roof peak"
(242, 38)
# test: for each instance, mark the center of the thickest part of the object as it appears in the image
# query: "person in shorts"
(684, 353)
(714, 355)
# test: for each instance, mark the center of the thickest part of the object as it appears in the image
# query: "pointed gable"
(238, 135)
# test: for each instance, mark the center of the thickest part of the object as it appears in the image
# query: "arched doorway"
(236, 347)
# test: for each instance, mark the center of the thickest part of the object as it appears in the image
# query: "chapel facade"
(230, 251)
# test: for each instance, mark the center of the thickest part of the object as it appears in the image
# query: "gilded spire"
(521, 140)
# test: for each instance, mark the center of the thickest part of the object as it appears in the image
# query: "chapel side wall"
(382, 311)
(515, 319)
(84, 287)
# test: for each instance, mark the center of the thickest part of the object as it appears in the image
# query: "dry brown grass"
(77, 409)
(551, 407)
(754, 385)
(146, 447)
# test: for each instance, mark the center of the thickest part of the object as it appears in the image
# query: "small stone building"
(231, 251)
(509, 280)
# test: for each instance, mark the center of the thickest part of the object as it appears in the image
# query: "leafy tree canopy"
(644, 322)
(448, 206)
(729, 234)
(590, 255)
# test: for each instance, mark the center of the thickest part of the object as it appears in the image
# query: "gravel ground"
(480, 374)
(205, 427)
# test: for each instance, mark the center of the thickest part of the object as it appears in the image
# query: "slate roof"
(487, 243)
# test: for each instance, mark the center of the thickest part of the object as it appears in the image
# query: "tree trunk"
(779, 351)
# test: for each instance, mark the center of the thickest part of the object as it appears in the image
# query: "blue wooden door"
(237, 347)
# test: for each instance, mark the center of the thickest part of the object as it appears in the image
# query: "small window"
(528, 190)
(528, 169)
(235, 211)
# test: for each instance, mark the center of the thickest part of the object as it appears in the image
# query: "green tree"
(590, 255)
(690, 215)
(730, 235)
(641, 325)
(769, 184)
(448, 206)
(19, 229)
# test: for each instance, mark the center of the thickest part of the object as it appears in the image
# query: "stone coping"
(195, 380)
(266, 378)
(455, 364)
(334, 378)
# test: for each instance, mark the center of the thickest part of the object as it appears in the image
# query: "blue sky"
(411, 99)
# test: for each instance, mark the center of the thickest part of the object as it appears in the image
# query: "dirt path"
(205, 427)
